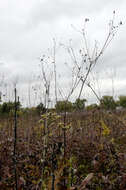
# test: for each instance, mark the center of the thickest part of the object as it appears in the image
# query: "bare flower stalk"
(89, 85)
(46, 81)
(55, 72)
(92, 61)
(15, 140)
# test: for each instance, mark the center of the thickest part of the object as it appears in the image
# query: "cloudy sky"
(27, 28)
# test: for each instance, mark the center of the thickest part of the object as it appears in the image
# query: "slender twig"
(94, 92)
(55, 73)
(15, 140)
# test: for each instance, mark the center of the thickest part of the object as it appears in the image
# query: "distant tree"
(108, 103)
(79, 104)
(122, 101)
(0, 96)
(7, 107)
(40, 108)
(63, 106)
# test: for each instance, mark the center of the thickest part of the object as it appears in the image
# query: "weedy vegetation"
(70, 146)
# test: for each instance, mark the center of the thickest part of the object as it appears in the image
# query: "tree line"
(106, 102)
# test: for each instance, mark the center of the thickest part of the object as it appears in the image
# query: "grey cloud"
(2, 64)
(54, 9)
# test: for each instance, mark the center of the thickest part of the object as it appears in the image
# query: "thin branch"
(55, 73)
(94, 92)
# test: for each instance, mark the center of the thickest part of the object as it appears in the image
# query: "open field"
(94, 147)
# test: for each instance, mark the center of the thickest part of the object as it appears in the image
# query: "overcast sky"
(27, 28)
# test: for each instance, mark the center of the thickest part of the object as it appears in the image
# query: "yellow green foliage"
(106, 130)
(50, 117)
(61, 124)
